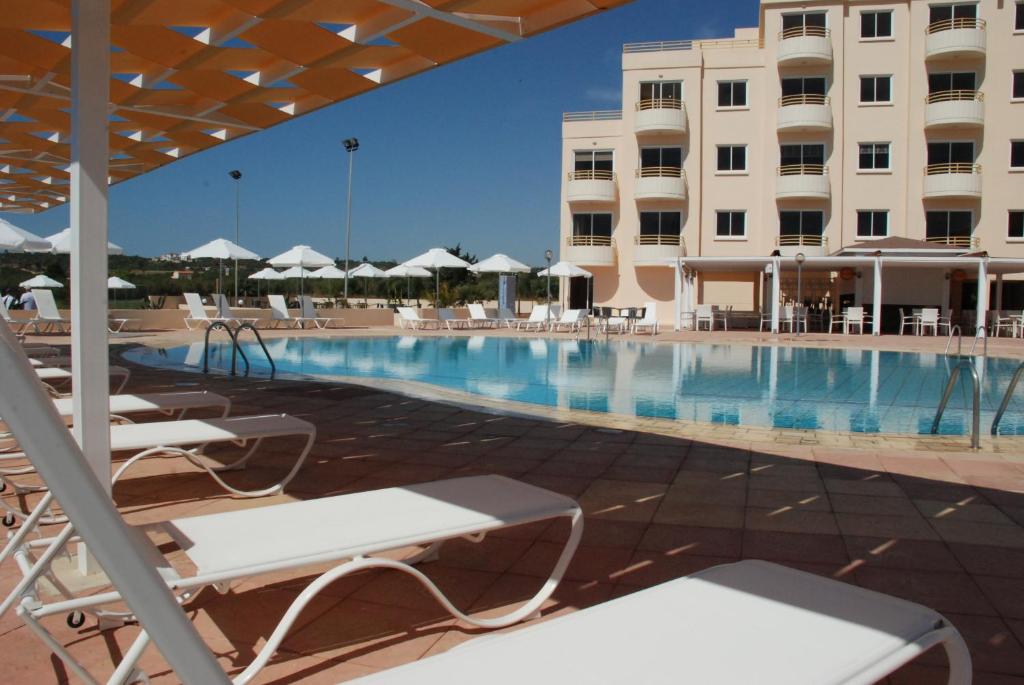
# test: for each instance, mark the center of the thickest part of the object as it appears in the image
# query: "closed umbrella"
(437, 258)
(367, 271)
(501, 264)
(304, 257)
(41, 281)
(266, 274)
(115, 283)
(220, 249)
(568, 270)
(408, 272)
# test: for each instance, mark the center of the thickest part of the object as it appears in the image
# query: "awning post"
(678, 300)
(776, 293)
(980, 319)
(876, 314)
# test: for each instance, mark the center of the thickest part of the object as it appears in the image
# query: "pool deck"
(928, 520)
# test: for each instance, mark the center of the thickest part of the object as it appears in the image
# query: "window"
(1015, 227)
(943, 82)
(804, 85)
(803, 24)
(876, 89)
(874, 156)
(661, 157)
(1017, 155)
(937, 13)
(732, 94)
(594, 160)
(661, 224)
(593, 226)
(950, 152)
(661, 90)
(1017, 92)
(732, 224)
(797, 158)
(1018, 21)
(872, 223)
(801, 223)
(950, 227)
(876, 24)
(732, 157)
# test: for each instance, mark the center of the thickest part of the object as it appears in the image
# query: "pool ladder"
(954, 376)
(1007, 396)
(978, 334)
(236, 349)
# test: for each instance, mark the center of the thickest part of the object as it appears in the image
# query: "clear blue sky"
(467, 153)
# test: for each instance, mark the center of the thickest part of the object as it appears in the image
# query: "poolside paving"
(928, 520)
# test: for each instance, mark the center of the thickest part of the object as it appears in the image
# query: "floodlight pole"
(237, 175)
(351, 145)
(548, 254)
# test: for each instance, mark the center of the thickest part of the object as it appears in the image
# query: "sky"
(467, 153)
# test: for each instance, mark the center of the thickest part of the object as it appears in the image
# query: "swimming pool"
(862, 391)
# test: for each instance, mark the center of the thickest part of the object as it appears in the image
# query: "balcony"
(966, 242)
(591, 185)
(660, 183)
(949, 108)
(805, 45)
(590, 250)
(807, 181)
(952, 180)
(809, 245)
(961, 37)
(660, 115)
(655, 250)
(804, 113)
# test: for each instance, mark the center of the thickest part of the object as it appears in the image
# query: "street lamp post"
(800, 257)
(548, 254)
(351, 145)
(237, 175)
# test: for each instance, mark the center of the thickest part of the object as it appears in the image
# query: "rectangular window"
(876, 24)
(1015, 228)
(1017, 154)
(803, 85)
(732, 93)
(661, 223)
(872, 223)
(801, 223)
(1017, 91)
(593, 160)
(876, 88)
(732, 157)
(661, 90)
(731, 224)
(653, 157)
(951, 227)
(592, 225)
(1018, 18)
(937, 13)
(803, 24)
(951, 152)
(946, 81)
(802, 155)
(873, 156)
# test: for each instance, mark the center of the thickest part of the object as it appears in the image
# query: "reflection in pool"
(863, 391)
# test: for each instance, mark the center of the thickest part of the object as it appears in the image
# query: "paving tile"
(788, 499)
(944, 592)
(702, 515)
(1004, 594)
(865, 504)
(980, 533)
(870, 525)
(800, 547)
(990, 561)
(972, 510)
(902, 553)
(690, 540)
(648, 568)
(872, 487)
(791, 521)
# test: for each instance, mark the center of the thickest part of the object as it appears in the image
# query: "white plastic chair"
(930, 319)
(705, 313)
(855, 316)
(650, 319)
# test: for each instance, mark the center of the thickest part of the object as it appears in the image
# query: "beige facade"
(921, 90)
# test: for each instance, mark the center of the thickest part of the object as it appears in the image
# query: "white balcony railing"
(960, 37)
(805, 112)
(954, 108)
(952, 179)
(804, 44)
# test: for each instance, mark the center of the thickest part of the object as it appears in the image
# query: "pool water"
(862, 391)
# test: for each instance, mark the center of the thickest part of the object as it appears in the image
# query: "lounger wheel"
(9, 519)
(76, 619)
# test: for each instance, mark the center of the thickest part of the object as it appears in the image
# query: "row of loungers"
(540, 319)
(750, 621)
(279, 313)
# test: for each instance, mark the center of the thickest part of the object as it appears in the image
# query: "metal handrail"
(659, 172)
(804, 99)
(1006, 398)
(259, 339)
(952, 168)
(658, 239)
(589, 241)
(591, 175)
(658, 46)
(236, 349)
(955, 328)
(599, 115)
(954, 240)
(802, 170)
(659, 103)
(801, 239)
(975, 397)
(957, 23)
(962, 95)
(805, 30)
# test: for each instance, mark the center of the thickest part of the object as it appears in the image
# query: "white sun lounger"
(506, 317)
(650, 319)
(408, 318)
(47, 315)
(279, 313)
(748, 622)
(450, 321)
(309, 314)
(17, 325)
(224, 310)
(197, 314)
(166, 403)
(478, 317)
(54, 376)
(571, 321)
(538, 320)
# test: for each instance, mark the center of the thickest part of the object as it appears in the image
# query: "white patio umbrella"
(115, 283)
(330, 273)
(437, 258)
(41, 281)
(408, 272)
(501, 264)
(266, 274)
(568, 270)
(302, 256)
(60, 243)
(367, 271)
(220, 249)
(14, 239)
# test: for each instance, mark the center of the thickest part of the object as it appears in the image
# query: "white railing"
(600, 115)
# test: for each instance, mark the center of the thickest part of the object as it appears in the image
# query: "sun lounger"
(748, 622)
(197, 313)
(54, 377)
(649, 320)
(224, 311)
(408, 318)
(17, 325)
(478, 317)
(175, 404)
(538, 321)
(279, 313)
(571, 321)
(451, 322)
(47, 315)
(506, 317)
(309, 314)
(117, 325)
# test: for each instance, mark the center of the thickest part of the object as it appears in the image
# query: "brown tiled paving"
(925, 520)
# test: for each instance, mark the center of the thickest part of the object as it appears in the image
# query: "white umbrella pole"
(437, 287)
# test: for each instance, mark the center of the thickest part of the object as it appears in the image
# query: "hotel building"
(843, 129)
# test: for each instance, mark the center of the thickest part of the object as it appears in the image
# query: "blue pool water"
(783, 387)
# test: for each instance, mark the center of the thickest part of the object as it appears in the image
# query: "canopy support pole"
(979, 321)
(90, 93)
(999, 292)
(677, 314)
(776, 293)
(876, 314)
